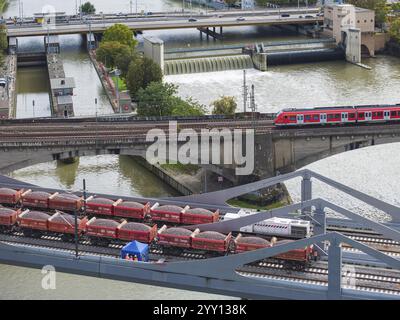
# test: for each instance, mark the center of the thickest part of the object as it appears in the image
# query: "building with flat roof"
(338, 17)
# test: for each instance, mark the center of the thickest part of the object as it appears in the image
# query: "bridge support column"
(334, 270)
(306, 191)
(319, 219)
(353, 45)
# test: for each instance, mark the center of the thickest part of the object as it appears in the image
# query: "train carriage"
(199, 216)
(10, 196)
(65, 224)
(36, 199)
(167, 213)
(338, 115)
(131, 209)
(101, 206)
(8, 218)
(212, 241)
(65, 202)
(129, 231)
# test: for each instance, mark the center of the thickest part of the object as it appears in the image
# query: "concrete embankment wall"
(165, 176)
(393, 48)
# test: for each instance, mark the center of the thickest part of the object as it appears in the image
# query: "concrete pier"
(61, 87)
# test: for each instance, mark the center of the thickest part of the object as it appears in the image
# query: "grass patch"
(244, 204)
(190, 169)
(121, 83)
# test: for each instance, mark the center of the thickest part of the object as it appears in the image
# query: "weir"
(208, 64)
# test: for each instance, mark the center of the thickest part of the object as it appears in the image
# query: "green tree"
(88, 8)
(379, 6)
(157, 99)
(187, 107)
(395, 30)
(111, 52)
(141, 73)
(225, 106)
(120, 33)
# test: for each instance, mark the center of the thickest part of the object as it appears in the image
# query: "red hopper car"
(167, 213)
(10, 196)
(131, 209)
(101, 206)
(36, 199)
(65, 202)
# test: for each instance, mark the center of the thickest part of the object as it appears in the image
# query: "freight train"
(172, 241)
(96, 206)
(145, 212)
(338, 115)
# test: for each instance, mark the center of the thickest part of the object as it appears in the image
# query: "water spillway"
(207, 64)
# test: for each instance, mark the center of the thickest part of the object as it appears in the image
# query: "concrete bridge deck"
(159, 24)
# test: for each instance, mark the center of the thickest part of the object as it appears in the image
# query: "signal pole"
(253, 107)
(245, 92)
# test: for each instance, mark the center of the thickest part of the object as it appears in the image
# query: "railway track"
(362, 278)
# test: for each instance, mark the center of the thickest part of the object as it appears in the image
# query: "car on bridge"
(240, 19)
(285, 15)
(192, 20)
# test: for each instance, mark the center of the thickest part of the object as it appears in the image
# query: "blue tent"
(136, 248)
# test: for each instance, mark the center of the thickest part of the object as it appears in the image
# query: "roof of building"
(61, 100)
(62, 83)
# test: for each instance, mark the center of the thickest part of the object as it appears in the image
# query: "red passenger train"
(338, 115)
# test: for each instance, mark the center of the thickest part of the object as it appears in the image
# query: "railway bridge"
(354, 264)
(276, 150)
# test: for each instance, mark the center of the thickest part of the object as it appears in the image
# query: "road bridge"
(144, 24)
(341, 274)
(277, 150)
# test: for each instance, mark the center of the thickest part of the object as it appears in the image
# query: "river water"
(374, 170)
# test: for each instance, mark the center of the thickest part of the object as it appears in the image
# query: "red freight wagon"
(65, 223)
(212, 241)
(167, 213)
(199, 216)
(34, 220)
(10, 196)
(302, 255)
(136, 231)
(102, 228)
(131, 209)
(65, 202)
(8, 217)
(176, 237)
(244, 244)
(35, 199)
(101, 206)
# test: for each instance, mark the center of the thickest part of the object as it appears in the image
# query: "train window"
(316, 117)
(308, 117)
(393, 113)
(352, 115)
(337, 116)
(330, 116)
(361, 114)
(380, 114)
(292, 118)
(374, 114)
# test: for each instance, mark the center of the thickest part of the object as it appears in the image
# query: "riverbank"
(393, 48)
(106, 81)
